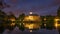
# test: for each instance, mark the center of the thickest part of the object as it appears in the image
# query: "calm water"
(41, 31)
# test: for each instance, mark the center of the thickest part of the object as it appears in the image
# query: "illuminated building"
(32, 21)
(57, 22)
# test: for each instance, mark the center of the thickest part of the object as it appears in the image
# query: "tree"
(50, 22)
(21, 16)
(20, 22)
(2, 21)
(42, 22)
(3, 16)
(11, 22)
(58, 12)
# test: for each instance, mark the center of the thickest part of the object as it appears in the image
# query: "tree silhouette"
(20, 22)
(2, 21)
(50, 22)
(58, 14)
(11, 20)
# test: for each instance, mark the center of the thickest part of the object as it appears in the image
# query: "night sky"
(40, 7)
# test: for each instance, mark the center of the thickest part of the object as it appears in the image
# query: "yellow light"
(31, 17)
(56, 25)
(12, 19)
(31, 26)
(56, 20)
(44, 24)
(12, 24)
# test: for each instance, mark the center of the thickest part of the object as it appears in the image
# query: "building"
(32, 21)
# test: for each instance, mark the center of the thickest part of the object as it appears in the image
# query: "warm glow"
(56, 20)
(32, 26)
(56, 23)
(44, 18)
(32, 21)
(30, 30)
(12, 19)
(12, 24)
(31, 17)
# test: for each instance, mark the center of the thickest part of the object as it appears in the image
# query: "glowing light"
(12, 24)
(31, 26)
(56, 23)
(31, 17)
(30, 12)
(44, 24)
(30, 30)
(12, 19)
(56, 20)
(44, 18)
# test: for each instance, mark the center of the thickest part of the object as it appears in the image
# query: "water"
(41, 31)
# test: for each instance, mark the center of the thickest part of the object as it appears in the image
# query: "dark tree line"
(5, 21)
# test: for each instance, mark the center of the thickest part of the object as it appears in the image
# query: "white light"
(30, 30)
(30, 12)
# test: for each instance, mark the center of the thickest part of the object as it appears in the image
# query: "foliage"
(50, 22)
(2, 21)
(20, 22)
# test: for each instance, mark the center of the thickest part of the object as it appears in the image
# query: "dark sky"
(41, 7)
